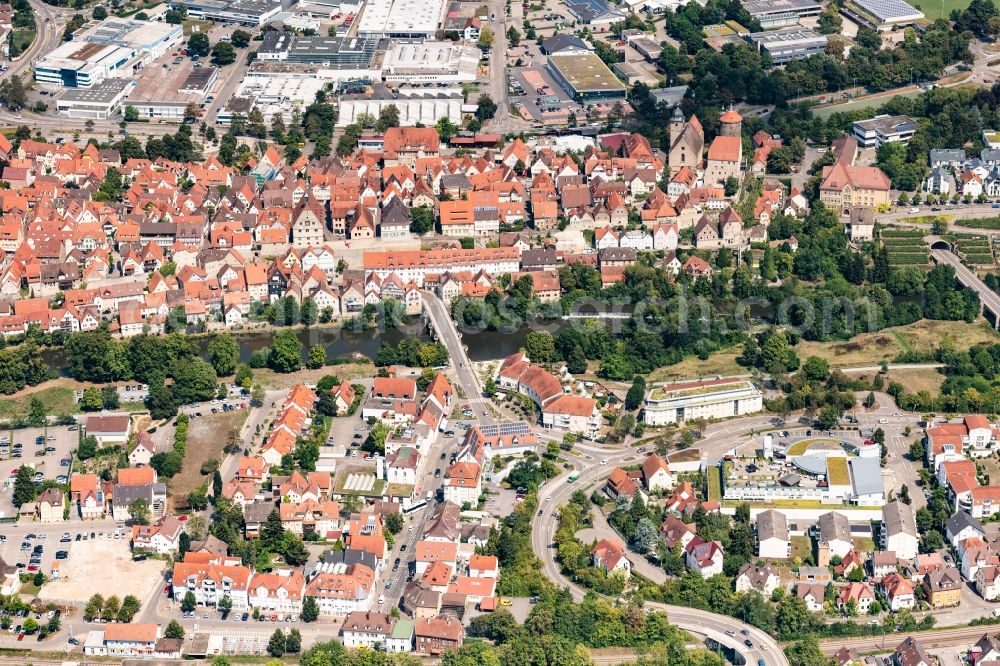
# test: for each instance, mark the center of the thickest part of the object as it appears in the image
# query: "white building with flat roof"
(401, 18)
(882, 15)
(702, 399)
(114, 48)
(414, 105)
(99, 102)
(437, 62)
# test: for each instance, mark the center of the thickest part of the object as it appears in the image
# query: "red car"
(33, 568)
(20, 636)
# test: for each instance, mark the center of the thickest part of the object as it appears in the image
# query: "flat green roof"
(402, 629)
(586, 73)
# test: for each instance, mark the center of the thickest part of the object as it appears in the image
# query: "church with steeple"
(687, 143)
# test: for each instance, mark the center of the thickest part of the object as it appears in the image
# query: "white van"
(381, 599)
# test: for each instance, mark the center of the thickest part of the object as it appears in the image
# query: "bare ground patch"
(102, 566)
(207, 436)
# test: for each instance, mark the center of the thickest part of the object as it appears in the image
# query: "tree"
(830, 22)
(93, 608)
(24, 487)
(644, 536)
(486, 108)
(139, 510)
(87, 448)
(194, 381)
(421, 220)
(310, 610)
(240, 39)
(188, 603)
(198, 498)
(486, 38)
(917, 450)
(223, 53)
(159, 399)
(513, 36)
(244, 375)
(198, 44)
(225, 604)
(317, 357)
(286, 352)
(731, 185)
(131, 113)
(111, 607)
(387, 117)
(276, 646)
(174, 630)
(100, 13)
(293, 643)
(224, 354)
(272, 532)
(13, 94)
(110, 397)
(540, 347)
(394, 523)
(636, 393)
(816, 368)
(130, 607)
(91, 400)
(806, 652)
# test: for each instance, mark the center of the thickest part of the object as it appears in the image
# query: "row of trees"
(111, 609)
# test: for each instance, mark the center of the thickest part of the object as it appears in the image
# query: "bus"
(416, 506)
(573, 477)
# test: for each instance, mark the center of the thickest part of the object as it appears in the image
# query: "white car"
(604, 462)
(914, 210)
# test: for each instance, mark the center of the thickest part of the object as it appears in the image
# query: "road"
(463, 368)
(899, 217)
(989, 298)
(718, 439)
(48, 28)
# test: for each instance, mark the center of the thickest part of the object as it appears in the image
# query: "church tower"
(676, 125)
(730, 124)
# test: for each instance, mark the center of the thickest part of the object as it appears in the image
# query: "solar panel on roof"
(888, 10)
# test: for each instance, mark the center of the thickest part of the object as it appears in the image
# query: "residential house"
(752, 577)
(943, 587)
(609, 556)
(773, 541)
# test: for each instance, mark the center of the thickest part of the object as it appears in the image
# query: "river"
(482, 346)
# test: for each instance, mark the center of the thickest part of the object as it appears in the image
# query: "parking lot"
(44, 449)
(33, 547)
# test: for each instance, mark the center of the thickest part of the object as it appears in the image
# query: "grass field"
(801, 547)
(276, 380)
(720, 363)
(862, 350)
(57, 399)
(935, 9)
(824, 111)
(873, 348)
(918, 379)
(23, 39)
(206, 438)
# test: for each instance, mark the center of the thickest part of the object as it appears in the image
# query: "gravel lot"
(102, 565)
